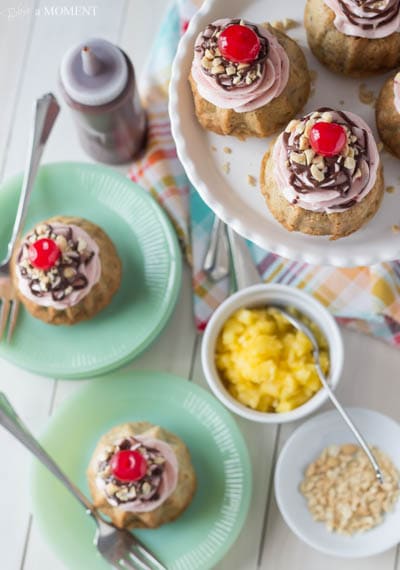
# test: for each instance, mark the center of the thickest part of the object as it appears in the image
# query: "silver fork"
(119, 547)
(46, 111)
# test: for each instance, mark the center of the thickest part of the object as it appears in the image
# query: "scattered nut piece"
(380, 146)
(252, 180)
(390, 189)
(285, 25)
(226, 167)
(227, 150)
(365, 95)
(395, 228)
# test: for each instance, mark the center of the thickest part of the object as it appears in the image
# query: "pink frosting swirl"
(396, 92)
(273, 80)
(327, 196)
(370, 19)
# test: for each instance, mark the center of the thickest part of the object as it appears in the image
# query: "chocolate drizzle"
(65, 276)
(375, 11)
(231, 75)
(337, 174)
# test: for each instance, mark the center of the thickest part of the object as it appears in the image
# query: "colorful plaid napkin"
(365, 298)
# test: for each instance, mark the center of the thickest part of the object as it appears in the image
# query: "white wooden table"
(33, 36)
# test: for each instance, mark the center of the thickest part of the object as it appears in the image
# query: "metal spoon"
(246, 274)
(298, 324)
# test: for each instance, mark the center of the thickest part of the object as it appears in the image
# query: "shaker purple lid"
(94, 72)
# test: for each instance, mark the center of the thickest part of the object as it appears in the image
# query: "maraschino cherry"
(43, 253)
(239, 44)
(128, 465)
(327, 139)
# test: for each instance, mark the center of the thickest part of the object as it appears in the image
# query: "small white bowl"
(303, 447)
(261, 295)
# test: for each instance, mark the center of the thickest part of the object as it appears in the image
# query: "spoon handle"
(348, 421)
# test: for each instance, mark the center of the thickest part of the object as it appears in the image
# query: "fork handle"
(244, 269)
(45, 114)
(12, 423)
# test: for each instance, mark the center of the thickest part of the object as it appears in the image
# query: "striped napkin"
(365, 298)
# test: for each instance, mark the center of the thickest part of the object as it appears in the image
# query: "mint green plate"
(151, 279)
(206, 530)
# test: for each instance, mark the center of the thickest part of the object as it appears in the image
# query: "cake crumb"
(390, 189)
(285, 25)
(213, 148)
(226, 167)
(395, 228)
(365, 95)
(380, 146)
(252, 180)
(227, 150)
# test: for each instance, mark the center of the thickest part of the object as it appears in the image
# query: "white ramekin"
(261, 295)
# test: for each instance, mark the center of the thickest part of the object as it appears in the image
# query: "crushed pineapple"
(265, 363)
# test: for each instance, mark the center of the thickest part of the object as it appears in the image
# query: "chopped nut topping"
(229, 74)
(327, 117)
(298, 158)
(342, 490)
(292, 126)
(317, 173)
(309, 154)
(227, 150)
(350, 163)
(390, 189)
